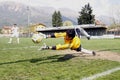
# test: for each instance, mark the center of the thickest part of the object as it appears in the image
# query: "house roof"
(7, 27)
(88, 26)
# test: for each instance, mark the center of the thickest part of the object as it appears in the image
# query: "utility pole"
(28, 18)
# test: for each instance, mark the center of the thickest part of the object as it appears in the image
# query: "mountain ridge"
(13, 12)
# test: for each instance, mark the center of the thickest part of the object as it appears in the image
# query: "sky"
(100, 7)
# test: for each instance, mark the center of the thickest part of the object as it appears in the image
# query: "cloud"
(100, 7)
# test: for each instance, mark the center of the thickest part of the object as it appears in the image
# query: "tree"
(115, 13)
(56, 19)
(67, 23)
(0, 31)
(86, 16)
(59, 19)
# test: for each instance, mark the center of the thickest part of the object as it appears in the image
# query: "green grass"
(112, 76)
(23, 62)
(102, 44)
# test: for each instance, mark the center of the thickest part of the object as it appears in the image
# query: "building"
(91, 29)
(6, 30)
(115, 31)
(34, 27)
(96, 30)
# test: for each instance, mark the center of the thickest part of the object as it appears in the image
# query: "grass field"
(24, 62)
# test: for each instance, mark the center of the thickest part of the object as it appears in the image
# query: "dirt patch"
(104, 55)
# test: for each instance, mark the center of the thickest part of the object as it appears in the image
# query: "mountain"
(18, 13)
(12, 12)
(71, 15)
(105, 19)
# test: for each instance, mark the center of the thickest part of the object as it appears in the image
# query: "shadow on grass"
(66, 57)
(49, 59)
